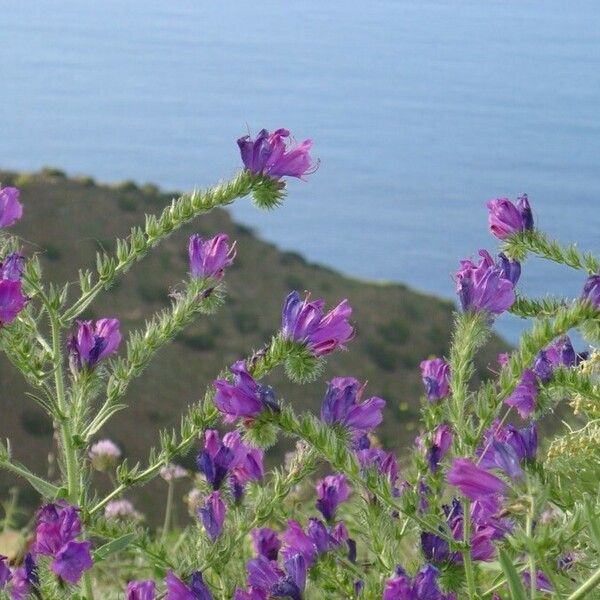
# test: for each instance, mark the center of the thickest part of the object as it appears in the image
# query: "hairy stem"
(168, 511)
(69, 451)
(586, 587)
(141, 241)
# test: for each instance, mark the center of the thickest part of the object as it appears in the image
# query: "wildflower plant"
(493, 502)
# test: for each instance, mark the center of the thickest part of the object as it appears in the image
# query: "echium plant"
(492, 503)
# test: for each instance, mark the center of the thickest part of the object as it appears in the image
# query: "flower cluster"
(478, 488)
(56, 535)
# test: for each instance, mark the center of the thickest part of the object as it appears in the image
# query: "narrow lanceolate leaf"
(114, 546)
(514, 581)
(45, 488)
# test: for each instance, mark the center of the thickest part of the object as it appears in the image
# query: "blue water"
(420, 111)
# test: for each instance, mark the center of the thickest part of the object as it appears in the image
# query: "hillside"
(68, 220)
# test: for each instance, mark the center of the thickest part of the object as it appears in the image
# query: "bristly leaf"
(114, 546)
(514, 581)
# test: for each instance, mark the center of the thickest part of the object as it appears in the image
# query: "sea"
(420, 111)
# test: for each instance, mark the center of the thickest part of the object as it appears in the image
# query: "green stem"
(531, 557)
(181, 211)
(69, 452)
(587, 586)
(536, 242)
(168, 512)
(529, 533)
(466, 552)
(87, 584)
(271, 359)
(469, 334)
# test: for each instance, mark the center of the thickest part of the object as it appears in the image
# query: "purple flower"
(591, 290)
(384, 462)
(523, 398)
(13, 267)
(436, 549)
(11, 210)
(559, 353)
(331, 492)
(141, 590)
(499, 455)
(57, 524)
(266, 542)
(440, 444)
(436, 378)
(317, 532)
(265, 576)
(542, 583)
(484, 287)
(473, 481)
(209, 258)
(251, 594)
(93, 342)
(5, 574)
(424, 586)
(72, 560)
(511, 269)
(293, 583)
(504, 448)
(342, 404)
(12, 300)
(177, 590)
(245, 397)
(505, 218)
(298, 542)
(305, 322)
(230, 457)
(23, 579)
(263, 573)
(269, 155)
(212, 515)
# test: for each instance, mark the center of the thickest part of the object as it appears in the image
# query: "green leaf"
(45, 488)
(113, 546)
(515, 583)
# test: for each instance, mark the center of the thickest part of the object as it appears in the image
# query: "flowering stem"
(535, 241)
(262, 511)
(205, 418)
(334, 450)
(156, 229)
(466, 552)
(470, 333)
(168, 511)
(588, 586)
